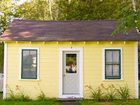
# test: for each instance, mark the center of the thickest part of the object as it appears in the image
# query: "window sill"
(29, 80)
(110, 80)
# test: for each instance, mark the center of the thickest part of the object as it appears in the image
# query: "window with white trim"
(29, 64)
(112, 64)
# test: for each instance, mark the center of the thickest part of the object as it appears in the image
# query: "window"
(112, 64)
(29, 64)
(71, 63)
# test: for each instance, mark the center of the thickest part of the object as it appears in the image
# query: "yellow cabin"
(63, 59)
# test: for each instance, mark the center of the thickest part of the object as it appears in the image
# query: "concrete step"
(70, 103)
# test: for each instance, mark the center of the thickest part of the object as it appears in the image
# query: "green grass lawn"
(83, 102)
(129, 102)
(0, 95)
(49, 102)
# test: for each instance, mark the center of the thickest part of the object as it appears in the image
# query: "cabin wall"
(49, 54)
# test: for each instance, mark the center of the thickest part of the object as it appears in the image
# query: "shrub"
(110, 96)
(96, 94)
(11, 95)
(23, 97)
(123, 92)
(18, 97)
(42, 97)
(110, 92)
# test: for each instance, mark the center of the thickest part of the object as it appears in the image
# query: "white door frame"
(61, 50)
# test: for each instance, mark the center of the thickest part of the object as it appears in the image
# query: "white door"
(70, 73)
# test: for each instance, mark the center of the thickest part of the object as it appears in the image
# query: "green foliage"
(130, 19)
(1, 95)
(11, 95)
(23, 97)
(20, 97)
(17, 97)
(70, 60)
(72, 9)
(96, 94)
(6, 7)
(90, 9)
(48, 102)
(123, 92)
(42, 97)
(35, 10)
(82, 102)
(109, 93)
(7, 13)
(115, 102)
(128, 22)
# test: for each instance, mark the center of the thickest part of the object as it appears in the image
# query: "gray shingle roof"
(31, 30)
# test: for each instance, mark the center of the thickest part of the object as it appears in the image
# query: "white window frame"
(103, 75)
(20, 70)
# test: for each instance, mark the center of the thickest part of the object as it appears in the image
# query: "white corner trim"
(38, 68)
(103, 65)
(60, 72)
(61, 50)
(136, 72)
(103, 61)
(5, 71)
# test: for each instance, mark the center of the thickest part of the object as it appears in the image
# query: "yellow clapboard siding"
(49, 66)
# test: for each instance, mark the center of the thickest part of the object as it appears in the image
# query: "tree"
(89, 9)
(130, 20)
(76, 10)
(36, 10)
(134, 8)
(71, 9)
(6, 8)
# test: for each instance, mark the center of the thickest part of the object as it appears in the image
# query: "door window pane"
(71, 63)
(29, 64)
